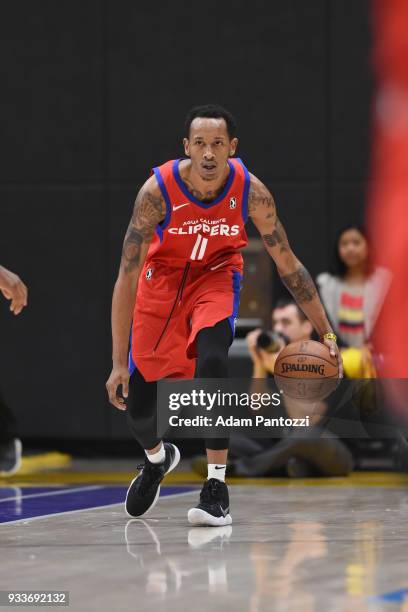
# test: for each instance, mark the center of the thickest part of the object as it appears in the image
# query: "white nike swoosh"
(180, 206)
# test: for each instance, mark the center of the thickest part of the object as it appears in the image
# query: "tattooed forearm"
(149, 210)
(131, 249)
(261, 201)
(277, 238)
(301, 285)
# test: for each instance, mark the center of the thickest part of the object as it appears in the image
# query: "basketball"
(305, 370)
(306, 359)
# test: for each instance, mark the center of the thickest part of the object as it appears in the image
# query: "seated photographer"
(289, 324)
(320, 453)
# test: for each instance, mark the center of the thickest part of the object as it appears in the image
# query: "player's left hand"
(13, 289)
(334, 352)
(118, 377)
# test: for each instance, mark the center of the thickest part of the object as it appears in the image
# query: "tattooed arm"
(148, 211)
(262, 210)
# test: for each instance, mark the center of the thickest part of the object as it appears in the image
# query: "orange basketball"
(306, 359)
(305, 370)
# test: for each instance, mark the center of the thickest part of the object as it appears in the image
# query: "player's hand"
(13, 288)
(334, 352)
(119, 376)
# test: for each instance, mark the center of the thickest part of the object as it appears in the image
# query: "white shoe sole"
(174, 464)
(196, 516)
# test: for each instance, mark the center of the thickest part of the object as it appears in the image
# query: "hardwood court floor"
(335, 545)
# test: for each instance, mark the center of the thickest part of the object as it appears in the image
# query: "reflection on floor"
(297, 545)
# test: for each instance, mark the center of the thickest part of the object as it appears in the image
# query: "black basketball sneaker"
(213, 508)
(144, 490)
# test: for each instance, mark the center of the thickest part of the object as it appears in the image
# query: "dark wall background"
(93, 94)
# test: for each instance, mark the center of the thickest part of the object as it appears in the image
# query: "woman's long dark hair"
(337, 266)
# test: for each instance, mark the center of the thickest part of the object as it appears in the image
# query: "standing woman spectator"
(353, 294)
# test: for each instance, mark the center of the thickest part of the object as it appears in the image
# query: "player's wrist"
(330, 335)
(118, 362)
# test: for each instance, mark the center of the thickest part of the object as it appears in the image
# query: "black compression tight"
(212, 362)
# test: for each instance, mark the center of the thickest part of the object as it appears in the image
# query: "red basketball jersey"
(204, 234)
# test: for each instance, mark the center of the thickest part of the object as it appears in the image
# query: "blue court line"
(25, 504)
(396, 596)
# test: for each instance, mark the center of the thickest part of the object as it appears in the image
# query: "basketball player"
(14, 290)
(181, 254)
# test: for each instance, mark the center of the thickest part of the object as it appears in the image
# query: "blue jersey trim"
(247, 184)
(159, 232)
(165, 195)
(236, 288)
(193, 198)
(131, 363)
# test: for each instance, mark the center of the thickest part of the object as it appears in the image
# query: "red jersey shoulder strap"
(242, 174)
(164, 174)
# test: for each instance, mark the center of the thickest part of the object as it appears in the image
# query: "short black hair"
(212, 111)
(287, 301)
(337, 266)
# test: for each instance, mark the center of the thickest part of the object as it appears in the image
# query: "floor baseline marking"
(356, 479)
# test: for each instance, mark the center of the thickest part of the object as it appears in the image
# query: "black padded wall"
(93, 94)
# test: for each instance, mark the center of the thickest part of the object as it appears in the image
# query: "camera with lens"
(271, 341)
